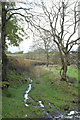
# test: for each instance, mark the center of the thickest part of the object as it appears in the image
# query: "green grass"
(13, 102)
(46, 87)
(15, 54)
(14, 106)
(16, 79)
(73, 72)
(51, 89)
(13, 97)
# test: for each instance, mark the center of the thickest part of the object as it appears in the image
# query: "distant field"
(15, 54)
(24, 57)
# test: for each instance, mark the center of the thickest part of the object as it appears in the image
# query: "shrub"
(19, 64)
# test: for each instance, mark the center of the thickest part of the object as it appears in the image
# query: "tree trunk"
(3, 37)
(64, 68)
(63, 75)
(64, 61)
(47, 62)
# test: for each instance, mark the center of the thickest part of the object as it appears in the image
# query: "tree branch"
(15, 14)
(74, 41)
(75, 23)
(17, 9)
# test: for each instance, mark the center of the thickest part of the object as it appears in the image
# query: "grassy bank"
(13, 104)
(13, 97)
(46, 87)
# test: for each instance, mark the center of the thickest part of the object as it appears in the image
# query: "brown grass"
(19, 64)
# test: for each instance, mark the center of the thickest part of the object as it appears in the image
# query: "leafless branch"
(16, 9)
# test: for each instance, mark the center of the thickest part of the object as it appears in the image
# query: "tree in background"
(43, 40)
(60, 20)
(47, 43)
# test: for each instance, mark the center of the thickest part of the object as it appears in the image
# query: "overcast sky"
(26, 43)
(24, 46)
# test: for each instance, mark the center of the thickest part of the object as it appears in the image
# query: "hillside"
(57, 96)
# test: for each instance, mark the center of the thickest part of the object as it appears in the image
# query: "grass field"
(46, 87)
(15, 54)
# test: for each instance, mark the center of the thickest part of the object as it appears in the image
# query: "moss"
(5, 84)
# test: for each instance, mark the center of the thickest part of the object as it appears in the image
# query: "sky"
(23, 46)
(26, 44)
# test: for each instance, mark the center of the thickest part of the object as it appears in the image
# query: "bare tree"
(60, 20)
(43, 40)
(47, 46)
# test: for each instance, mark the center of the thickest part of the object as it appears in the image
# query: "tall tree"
(60, 20)
(10, 30)
(3, 35)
